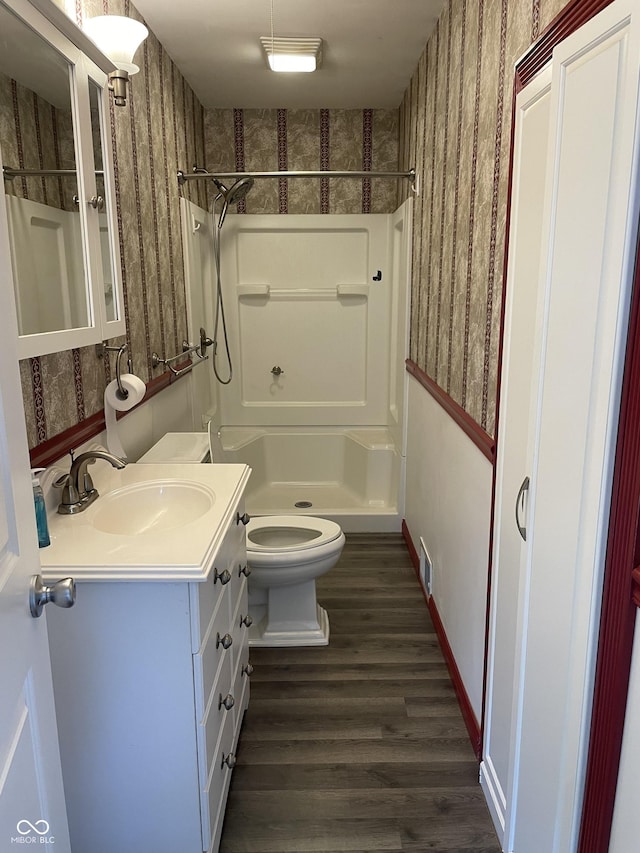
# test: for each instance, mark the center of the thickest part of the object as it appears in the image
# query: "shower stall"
(316, 313)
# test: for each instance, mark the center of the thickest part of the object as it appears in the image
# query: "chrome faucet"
(79, 491)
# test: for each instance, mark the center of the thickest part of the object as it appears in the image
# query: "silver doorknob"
(224, 576)
(243, 570)
(228, 702)
(62, 593)
(96, 202)
(247, 669)
(226, 641)
(229, 760)
(245, 518)
(247, 621)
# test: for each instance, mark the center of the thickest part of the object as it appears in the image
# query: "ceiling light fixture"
(292, 54)
(118, 38)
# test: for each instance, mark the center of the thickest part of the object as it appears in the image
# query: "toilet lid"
(283, 533)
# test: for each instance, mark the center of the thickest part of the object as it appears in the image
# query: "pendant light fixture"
(118, 38)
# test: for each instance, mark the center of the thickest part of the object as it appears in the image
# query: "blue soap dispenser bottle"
(40, 508)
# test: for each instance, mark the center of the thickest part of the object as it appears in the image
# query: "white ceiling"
(371, 49)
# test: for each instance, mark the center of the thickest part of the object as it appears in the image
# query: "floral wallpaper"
(455, 126)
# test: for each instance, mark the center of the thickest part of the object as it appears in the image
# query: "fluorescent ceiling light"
(292, 54)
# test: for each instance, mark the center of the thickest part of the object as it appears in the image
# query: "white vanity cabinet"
(151, 681)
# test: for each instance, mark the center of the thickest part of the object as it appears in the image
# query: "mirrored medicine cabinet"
(57, 195)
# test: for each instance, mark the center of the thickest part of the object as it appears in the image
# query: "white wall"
(448, 504)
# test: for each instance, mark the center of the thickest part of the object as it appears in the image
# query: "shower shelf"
(340, 291)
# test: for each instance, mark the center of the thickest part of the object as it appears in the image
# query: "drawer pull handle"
(229, 760)
(225, 641)
(247, 621)
(247, 669)
(243, 570)
(228, 702)
(245, 518)
(223, 576)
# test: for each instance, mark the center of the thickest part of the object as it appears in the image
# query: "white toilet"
(286, 553)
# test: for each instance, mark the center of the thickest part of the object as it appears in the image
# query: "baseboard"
(468, 715)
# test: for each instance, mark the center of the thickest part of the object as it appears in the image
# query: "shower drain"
(303, 504)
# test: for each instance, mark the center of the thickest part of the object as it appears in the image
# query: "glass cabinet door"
(41, 186)
(107, 252)
(57, 171)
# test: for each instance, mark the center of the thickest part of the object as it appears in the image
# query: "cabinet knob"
(228, 701)
(247, 669)
(245, 518)
(225, 641)
(247, 621)
(62, 594)
(229, 760)
(223, 576)
(96, 202)
(243, 570)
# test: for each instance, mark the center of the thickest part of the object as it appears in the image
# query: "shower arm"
(183, 177)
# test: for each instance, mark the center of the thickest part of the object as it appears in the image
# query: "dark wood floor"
(358, 746)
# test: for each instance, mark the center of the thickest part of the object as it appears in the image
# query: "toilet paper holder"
(101, 348)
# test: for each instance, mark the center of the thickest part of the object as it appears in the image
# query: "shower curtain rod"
(9, 174)
(190, 176)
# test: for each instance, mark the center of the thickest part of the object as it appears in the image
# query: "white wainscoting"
(448, 505)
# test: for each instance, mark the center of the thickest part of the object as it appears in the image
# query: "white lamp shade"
(118, 38)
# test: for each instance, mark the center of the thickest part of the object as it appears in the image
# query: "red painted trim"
(572, 17)
(635, 579)
(55, 448)
(474, 431)
(618, 613)
(473, 728)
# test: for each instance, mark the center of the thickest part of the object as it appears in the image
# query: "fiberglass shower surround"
(316, 313)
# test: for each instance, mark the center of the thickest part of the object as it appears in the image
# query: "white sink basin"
(151, 506)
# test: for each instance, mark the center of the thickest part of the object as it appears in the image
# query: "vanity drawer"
(214, 794)
(241, 687)
(207, 596)
(207, 661)
(239, 628)
(216, 715)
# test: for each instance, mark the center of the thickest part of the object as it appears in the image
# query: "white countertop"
(183, 553)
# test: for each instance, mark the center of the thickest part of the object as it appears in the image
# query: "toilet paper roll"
(133, 385)
(113, 403)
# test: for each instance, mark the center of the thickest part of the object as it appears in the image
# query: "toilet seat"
(299, 533)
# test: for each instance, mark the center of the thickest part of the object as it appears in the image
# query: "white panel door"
(32, 808)
(520, 369)
(592, 225)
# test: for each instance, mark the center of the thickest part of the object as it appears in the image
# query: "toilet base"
(308, 629)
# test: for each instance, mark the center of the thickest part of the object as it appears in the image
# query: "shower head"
(233, 195)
